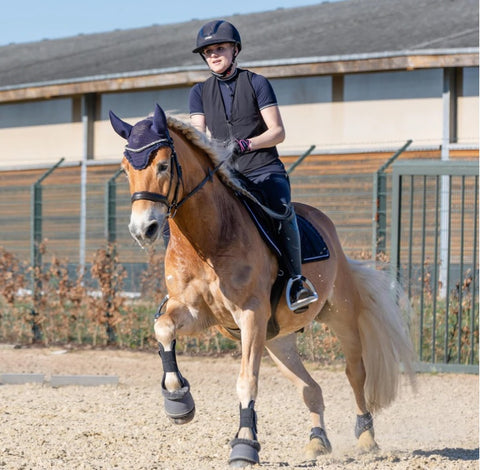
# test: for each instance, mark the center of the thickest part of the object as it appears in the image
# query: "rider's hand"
(241, 146)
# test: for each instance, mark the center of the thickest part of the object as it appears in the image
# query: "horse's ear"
(122, 128)
(159, 121)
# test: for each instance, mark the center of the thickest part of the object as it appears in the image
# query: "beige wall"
(468, 123)
(332, 126)
(362, 124)
(329, 126)
(33, 145)
(107, 144)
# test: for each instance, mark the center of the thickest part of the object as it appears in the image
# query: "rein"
(174, 205)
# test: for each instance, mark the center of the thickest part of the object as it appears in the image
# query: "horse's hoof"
(240, 464)
(179, 404)
(182, 419)
(180, 411)
(315, 448)
(318, 445)
(366, 442)
(244, 453)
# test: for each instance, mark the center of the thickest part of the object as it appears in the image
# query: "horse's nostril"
(152, 230)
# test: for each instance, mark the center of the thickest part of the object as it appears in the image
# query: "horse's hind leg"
(349, 337)
(285, 354)
(355, 372)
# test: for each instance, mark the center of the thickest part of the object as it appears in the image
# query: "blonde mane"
(214, 150)
(217, 153)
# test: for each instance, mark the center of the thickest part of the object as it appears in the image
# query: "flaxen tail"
(384, 331)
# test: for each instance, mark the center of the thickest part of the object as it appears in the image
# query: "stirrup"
(300, 305)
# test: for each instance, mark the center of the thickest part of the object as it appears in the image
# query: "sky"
(35, 20)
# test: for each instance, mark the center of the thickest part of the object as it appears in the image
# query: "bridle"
(173, 204)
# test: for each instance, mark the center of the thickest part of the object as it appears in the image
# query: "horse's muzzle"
(145, 226)
(145, 235)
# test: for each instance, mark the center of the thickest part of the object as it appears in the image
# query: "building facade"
(424, 87)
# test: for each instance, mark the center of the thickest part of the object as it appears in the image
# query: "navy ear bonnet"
(144, 138)
(142, 142)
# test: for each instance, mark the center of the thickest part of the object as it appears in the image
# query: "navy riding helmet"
(217, 32)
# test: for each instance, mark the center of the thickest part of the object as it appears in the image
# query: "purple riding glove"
(241, 146)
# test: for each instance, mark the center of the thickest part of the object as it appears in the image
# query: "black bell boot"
(300, 291)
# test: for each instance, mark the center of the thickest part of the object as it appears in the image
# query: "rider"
(239, 106)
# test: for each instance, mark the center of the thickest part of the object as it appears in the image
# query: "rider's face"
(219, 56)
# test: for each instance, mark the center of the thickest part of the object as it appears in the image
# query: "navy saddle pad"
(312, 243)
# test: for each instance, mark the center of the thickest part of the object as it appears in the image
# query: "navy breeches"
(273, 189)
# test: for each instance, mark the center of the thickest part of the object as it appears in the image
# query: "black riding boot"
(300, 291)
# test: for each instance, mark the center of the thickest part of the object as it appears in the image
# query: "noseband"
(174, 204)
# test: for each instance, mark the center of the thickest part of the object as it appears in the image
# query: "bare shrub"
(13, 310)
(12, 278)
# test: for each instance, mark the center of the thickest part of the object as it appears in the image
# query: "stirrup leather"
(302, 303)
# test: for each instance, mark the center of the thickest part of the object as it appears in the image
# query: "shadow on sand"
(455, 453)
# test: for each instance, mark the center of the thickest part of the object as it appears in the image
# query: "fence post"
(111, 237)
(300, 159)
(35, 242)
(380, 204)
(111, 208)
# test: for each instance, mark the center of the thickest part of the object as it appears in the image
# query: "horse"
(219, 272)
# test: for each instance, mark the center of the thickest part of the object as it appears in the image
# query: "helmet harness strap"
(225, 74)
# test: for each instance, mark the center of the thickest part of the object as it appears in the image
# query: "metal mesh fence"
(348, 198)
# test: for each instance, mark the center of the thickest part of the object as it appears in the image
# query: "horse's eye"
(162, 166)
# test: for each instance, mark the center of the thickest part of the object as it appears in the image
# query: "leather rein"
(174, 204)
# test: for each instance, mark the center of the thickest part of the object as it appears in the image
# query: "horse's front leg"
(178, 401)
(245, 446)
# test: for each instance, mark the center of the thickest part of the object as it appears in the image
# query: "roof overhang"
(279, 68)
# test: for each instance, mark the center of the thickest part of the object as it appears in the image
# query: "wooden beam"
(188, 78)
(383, 64)
(110, 85)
